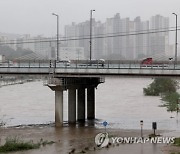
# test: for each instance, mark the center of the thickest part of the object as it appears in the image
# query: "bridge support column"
(58, 108)
(81, 105)
(72, 106)
(91, 103)
(58, 84)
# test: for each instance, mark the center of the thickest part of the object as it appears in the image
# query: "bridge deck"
(76, 69)
(91, 71)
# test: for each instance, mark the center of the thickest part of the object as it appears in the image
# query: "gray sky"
(35, 16)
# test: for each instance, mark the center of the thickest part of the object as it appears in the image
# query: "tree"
(161, 86)
(171, 101)
(165, 87)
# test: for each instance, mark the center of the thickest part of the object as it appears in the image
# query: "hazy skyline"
(35, 16)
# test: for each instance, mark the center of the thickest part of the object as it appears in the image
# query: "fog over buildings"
(127, 41)
(117, 38)
(115, 27)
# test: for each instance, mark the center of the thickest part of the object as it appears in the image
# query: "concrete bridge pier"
(91, 103)
(81, 104)
(73, 84)
(58, 108)
(72, 105)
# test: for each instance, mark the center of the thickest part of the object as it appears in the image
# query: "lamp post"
(57, 58)
(90, 42)
(141, 123)
(175, 61)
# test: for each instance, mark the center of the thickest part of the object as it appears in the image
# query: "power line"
(93, 37)
(54, 38)
(146, 30)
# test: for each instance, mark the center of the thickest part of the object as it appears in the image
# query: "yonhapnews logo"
(102, 139)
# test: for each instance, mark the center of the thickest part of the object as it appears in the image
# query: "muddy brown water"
(119, 101)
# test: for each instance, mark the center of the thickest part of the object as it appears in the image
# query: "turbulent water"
(119, 101)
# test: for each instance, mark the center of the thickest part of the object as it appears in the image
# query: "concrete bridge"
(81, 81)
(76, 68)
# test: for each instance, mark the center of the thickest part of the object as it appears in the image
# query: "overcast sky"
(35, 16)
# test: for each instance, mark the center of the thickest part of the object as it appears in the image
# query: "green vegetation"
(177, 141)
(161, 86)
(166, 88)
(15, 144)
(171, 100)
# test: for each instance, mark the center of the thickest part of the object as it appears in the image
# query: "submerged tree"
(171, 101)
(161, 86)
(165, 87)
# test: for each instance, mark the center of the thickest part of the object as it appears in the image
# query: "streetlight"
(90, 42)
(141, 123)
(57, 35)
(175, 61)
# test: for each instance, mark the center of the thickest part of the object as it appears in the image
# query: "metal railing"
(77, 64)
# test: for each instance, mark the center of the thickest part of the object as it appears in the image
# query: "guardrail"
(108, 64)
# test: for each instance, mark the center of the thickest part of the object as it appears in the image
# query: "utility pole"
(90, 42)
(57, 57)
(175, 61)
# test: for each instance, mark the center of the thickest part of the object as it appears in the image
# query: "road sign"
(105, 123)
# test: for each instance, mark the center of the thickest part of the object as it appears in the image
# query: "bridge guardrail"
(108, 64)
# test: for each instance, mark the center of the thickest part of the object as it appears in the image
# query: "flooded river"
(119, 101)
